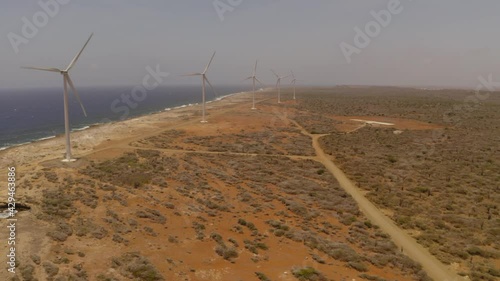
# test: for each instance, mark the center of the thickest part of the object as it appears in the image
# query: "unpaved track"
(431, 265)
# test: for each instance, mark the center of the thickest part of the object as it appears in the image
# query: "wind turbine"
(254, 78)
(293, 83)
(67, 81)
(204, 79)
(278, 84)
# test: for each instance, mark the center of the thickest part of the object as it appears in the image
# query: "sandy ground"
(112, 140)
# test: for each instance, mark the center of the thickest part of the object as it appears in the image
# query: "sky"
(447, 43)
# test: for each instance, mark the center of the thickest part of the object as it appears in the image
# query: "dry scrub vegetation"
(231, 209)
(307, 206)
(280, 141)
(268, 140)
(316, 123)
(442, 185)
(426, 106)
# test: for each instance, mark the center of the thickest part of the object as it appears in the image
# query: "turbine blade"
(259, 82)
(73, 62)
(277, 76)
(293, 75)
(208, 65)
(42, 68)
(212, 87)
(285, 77)
(193, 74)
(72, 86)
(251, 77)
(255, 68)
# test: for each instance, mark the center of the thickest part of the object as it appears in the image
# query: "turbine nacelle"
(279, 77)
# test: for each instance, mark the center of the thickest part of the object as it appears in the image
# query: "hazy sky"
(445, 42)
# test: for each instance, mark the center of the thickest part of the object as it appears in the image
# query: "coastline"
(81, 126)
(85, 139)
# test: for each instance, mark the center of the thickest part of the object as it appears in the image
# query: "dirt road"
(431, 265)
(434, 268)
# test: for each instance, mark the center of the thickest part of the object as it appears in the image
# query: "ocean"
(37, 114)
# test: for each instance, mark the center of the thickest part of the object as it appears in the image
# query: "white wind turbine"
(204, 79)
(293, 83)
(67, 81)
(278, 84)
(254, 78)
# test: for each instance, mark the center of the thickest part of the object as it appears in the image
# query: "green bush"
(308, 274)
(262, 276)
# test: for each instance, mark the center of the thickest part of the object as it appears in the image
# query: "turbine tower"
(293, 83)
(67, 81)
(278, 84)
(254, 78)
(204, 79)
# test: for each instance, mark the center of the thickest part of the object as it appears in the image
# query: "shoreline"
(87, 126)
(85, 139)
(95, 125)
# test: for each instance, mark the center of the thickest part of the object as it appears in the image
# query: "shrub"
(308, 274)
(27, 272)
(262, 276)
(50, 268)
(476, 251)
(371, 277)
(358, 266)
(154, 215)
(132, 265)
(228, 253)
(62, 231)
(57, 204)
